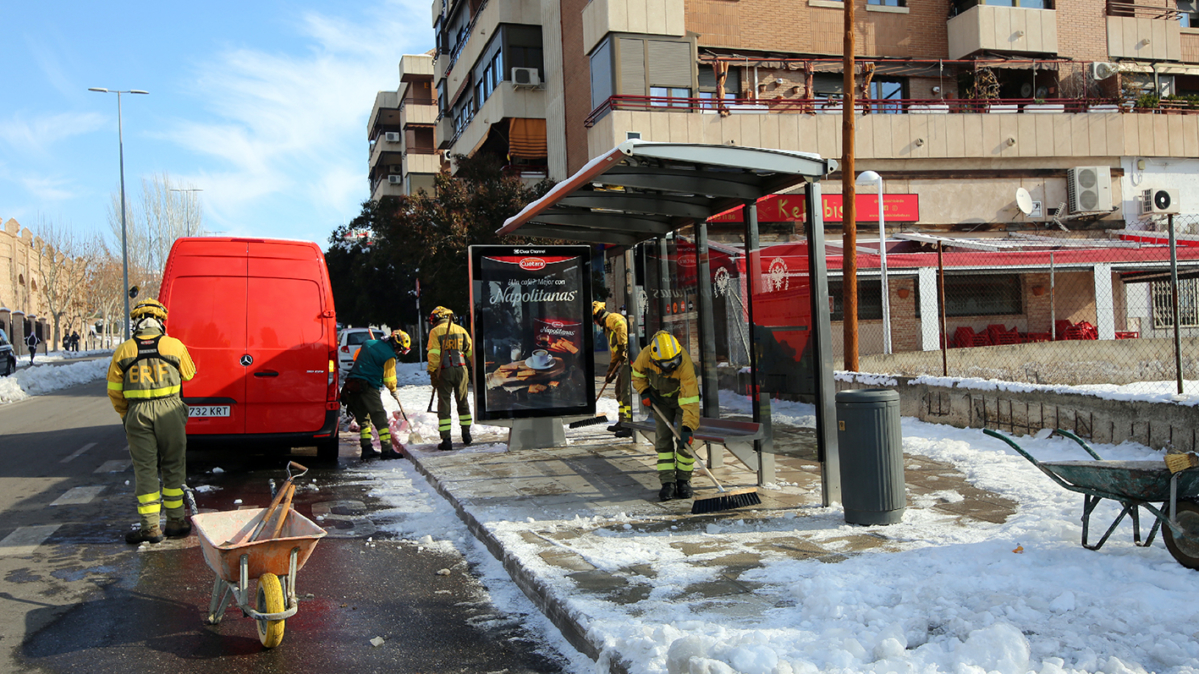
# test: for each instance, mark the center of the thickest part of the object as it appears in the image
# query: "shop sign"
(790, 208)
(533, 342)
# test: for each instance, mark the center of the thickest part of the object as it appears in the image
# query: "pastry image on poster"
(532, 332)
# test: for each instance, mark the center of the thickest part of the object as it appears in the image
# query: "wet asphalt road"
(83, 601)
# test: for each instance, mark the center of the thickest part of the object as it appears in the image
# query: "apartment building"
(403, 155)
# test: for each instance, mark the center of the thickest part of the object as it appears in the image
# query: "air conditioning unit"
(1102, 71)
(1089, 189)
(392, 136)
(1159, 201)
(525, 77)
(395, 180)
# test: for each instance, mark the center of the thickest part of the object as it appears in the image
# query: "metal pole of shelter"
(759, 401)
(828, 452)
(1174, 303)
(710, 407)
(664, 288)
(882, 259)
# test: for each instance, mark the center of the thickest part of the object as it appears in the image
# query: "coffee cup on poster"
(541, 358)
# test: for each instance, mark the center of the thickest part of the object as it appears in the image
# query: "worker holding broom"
(449, 357)
(664, 376)
(374, 368)
(145, 380)
(616, 329)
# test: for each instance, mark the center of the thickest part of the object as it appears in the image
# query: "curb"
(569, 624)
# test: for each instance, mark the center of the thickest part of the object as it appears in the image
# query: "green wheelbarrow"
(1172, 498)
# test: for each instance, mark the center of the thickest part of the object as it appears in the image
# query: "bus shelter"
(740, 316)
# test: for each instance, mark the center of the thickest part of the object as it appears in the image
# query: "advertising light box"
(530, 308)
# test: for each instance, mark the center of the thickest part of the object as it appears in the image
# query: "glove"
(433, 379)
(611, 376)
(685, 436)
(649, 398)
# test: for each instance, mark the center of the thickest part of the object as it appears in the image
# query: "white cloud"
(35, 137)
(48, 188)
(293, 124)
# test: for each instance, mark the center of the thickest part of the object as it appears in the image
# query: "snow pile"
(42, 379)
(1145, 391)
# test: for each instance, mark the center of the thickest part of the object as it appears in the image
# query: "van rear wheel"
(328, 449)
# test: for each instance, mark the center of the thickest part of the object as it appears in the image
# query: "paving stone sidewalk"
(556, 517)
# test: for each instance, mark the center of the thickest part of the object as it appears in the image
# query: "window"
(662, 97)
(709, 98)
(888, 3)
(983, 295)
(1188, 13)
(1188, 304)
(870, 300)
(883, 89)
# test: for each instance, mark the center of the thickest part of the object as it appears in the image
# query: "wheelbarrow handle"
(293, 464)
(1080, 441)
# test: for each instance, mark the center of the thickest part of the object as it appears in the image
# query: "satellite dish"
(1102, 71)
(1026, 90)
(1023, 200)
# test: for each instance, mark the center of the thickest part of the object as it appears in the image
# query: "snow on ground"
(419, 515)
(1022, 596)
(1146, 391)
(45, 377)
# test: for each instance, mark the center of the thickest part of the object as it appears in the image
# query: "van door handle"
(266, 373)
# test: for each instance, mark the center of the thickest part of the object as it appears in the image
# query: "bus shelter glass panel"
(782, 326)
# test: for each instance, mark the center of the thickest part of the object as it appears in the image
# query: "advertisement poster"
(533, 338)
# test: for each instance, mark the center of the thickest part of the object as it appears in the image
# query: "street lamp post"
(867, 178)
(124, 235)
(187, 221)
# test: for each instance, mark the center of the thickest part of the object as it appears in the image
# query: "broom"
(1180, 462)
(725, 500)
(599, 418)
(414, 436)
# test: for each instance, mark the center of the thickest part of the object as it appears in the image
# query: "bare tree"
(105, 297)
(62, 268)
(165, 212)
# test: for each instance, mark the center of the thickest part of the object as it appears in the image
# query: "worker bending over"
(374, 368)
(616, 329)
(449, 358)
(664, 376)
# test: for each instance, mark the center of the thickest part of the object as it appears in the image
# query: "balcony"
(1003, 29)
(383, 188)
(385, 112)
(507, 101)
(482, 27)
(418, 112)
(908, 129)
(421, 160)
(644, 17)
(1143, 32)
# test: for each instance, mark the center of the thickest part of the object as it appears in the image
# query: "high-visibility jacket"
(681, 383)
(149, 366)
(616, 328)
(375, 364)
(448, 343)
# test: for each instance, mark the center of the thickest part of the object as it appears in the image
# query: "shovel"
(414, 436)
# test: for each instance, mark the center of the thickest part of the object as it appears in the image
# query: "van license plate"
(208, 411)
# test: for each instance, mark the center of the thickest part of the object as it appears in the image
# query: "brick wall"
(576, 80)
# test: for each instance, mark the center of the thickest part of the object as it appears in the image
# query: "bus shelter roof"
(640, 190)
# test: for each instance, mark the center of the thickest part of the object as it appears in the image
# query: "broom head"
(728, 500)
(1177, 462)
(601, 419)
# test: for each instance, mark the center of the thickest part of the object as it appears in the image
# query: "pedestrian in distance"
(32, 341)
(449, 357)
(75, 341)
(374, 367)
(145, 385)
(664, 376)
(616, 330)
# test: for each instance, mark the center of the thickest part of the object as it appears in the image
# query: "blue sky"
(262, 104)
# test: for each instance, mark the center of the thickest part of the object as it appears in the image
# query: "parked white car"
(350, 340)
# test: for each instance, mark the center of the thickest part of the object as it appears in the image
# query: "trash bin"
(871, 451)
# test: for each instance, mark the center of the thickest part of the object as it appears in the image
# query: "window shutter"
(632, 67)
(669, 64)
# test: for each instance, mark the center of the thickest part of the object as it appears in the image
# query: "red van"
(257, 317)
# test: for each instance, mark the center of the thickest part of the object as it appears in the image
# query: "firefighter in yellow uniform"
(616, 329)
(664, 375)
(145, 382)
(449, 356)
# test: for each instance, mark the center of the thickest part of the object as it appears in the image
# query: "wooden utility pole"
(849, 264)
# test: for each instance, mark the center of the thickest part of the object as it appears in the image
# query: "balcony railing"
(867, 106)
(1132, 9)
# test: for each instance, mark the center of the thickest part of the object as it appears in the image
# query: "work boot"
(177, 528)
(623, 432)
(616, 427)
(682, 489)
(368, 450)
(391, 454)
(466, 439)
(446, 445)
(144, 534)
(667, 491)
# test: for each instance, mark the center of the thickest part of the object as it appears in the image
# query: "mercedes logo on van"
(247, 360)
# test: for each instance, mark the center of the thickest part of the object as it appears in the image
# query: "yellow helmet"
(400, 342)
(665, 351)
(598, 309)
(149, 307)
(440, 314)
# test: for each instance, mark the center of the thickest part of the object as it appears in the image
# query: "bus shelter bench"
(737, 436)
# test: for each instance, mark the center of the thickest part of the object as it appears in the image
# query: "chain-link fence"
(1070, 309)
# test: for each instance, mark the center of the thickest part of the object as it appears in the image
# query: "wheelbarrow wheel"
(1185, 548)
(270, 600)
